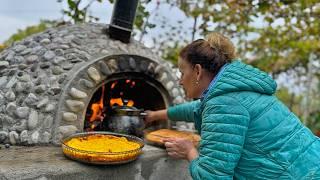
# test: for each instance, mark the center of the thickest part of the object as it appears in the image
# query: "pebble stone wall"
(48, 79)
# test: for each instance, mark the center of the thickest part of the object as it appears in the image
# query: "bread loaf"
(157, 136)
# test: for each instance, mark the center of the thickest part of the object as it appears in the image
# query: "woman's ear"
(198, 70)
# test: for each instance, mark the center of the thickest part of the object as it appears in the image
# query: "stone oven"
(49, 81)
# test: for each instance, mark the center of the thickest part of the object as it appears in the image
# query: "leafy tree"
(273, 35)
(78, 14)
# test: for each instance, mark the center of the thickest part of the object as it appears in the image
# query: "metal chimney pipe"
(123, 15)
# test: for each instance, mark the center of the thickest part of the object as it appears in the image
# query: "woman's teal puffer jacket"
(246, 132)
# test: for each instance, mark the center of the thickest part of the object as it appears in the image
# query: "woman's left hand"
(180, 148)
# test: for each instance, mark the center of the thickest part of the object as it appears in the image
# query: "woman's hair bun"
(221, 43)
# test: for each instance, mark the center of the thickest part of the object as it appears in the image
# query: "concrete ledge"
(48, 162)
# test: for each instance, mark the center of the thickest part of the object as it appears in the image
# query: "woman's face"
(188, 79)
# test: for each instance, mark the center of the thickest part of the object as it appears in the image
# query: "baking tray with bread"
(156, 137)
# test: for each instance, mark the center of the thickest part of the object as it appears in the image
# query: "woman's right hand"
(155, 116)
(150, 117)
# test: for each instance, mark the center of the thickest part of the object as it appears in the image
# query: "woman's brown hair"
(211, 53)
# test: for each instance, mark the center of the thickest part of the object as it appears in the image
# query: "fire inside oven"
(130, 91)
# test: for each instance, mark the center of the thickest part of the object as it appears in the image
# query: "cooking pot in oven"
(126, 120)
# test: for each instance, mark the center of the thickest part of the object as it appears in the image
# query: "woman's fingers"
(178, 147)
(171, 149)
(147, 119)
(173, 154)
(171, 140)
(169, 144)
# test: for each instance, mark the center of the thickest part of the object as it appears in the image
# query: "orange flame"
(114, 101)
(113, 85)
(119, 101)
(97, 108)
(130, 103)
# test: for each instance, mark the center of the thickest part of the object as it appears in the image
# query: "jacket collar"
(212, 83)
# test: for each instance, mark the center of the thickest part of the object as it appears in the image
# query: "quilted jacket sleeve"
(183, 112)
(223, 130)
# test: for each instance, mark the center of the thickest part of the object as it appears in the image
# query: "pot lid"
(126, 110)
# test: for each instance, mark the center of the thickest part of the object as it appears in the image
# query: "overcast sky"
(18, 14)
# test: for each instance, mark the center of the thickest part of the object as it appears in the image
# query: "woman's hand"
(150, 117)
(180, 148)
(155, 116)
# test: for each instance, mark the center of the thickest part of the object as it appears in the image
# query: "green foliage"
(78, 14)
(314, 122)
(141, 15)
(290, 99)
(272, 35)
(2, 47)
(171, 53)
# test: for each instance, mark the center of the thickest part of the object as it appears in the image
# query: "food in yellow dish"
(101, 148)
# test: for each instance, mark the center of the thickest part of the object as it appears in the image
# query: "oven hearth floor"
(48, 162)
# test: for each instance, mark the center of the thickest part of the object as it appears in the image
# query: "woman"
(246, 132)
